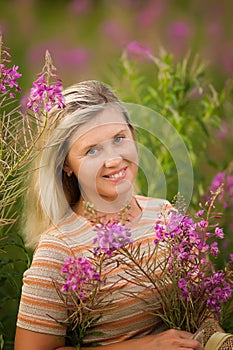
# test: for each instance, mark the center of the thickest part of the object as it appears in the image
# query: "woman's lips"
(116, 175)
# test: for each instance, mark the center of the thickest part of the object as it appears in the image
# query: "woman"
(90, 156)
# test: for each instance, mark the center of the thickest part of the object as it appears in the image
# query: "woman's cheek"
(88, 170)
(130, 153)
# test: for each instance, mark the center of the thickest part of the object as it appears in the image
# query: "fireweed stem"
(137, 264)
(24, 156)
(211, 206)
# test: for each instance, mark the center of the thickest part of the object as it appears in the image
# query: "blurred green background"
(86, 39)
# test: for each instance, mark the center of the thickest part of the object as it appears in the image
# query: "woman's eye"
(118, 139)
(92, 151)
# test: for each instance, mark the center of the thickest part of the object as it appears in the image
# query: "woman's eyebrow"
(88, 146)
(120, 132)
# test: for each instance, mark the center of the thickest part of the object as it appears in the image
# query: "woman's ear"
(67, 169)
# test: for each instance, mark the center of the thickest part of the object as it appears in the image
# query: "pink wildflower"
(79, 275)
(8, 75)
(138, 51)
(188, 259)
(219, 232)
(111, 237)
(44, 93)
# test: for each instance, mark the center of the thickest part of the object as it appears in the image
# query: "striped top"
(41, 306)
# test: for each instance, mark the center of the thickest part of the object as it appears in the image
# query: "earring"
(69, 173)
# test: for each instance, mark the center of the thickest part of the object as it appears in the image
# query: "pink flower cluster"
(111, 237)
(45, 95)
(80, 276)
(188, 259)
(8, 76)
(138, 51)
(226, 197)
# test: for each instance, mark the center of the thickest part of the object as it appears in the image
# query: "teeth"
(115, 176)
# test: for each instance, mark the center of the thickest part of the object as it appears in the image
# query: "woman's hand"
(170, 340)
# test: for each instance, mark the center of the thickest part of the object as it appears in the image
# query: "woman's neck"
(129, 212)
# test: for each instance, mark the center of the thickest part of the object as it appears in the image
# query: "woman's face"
(104, 158)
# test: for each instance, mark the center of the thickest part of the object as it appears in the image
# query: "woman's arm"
(28, 340)
(168, 340)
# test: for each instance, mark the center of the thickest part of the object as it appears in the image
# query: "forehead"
(105, 120)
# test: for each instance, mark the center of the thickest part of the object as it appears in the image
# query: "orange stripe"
(76, 232)
(38, 283)
(41, 323)
(146, 224)
(125, 321)
(48, 264)
(80, 231)
(82, 248)
(41, 303)
(66, 221)
(49, 245)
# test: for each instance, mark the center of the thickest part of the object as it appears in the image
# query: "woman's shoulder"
(72, 232)
(152, 208)
(69, 223)
(152, 202)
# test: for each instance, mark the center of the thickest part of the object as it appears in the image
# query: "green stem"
(24, 156)
(143, 271)
(1, 43)
(213, 199)
(1, 143)
(96, 289)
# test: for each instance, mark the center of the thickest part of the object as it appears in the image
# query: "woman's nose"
(113, 161)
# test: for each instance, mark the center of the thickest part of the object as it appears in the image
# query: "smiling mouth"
(116, 175)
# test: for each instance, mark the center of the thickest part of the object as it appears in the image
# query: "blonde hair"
(50, 191)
